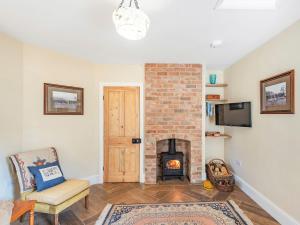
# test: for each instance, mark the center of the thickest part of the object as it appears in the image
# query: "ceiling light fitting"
(130, 21)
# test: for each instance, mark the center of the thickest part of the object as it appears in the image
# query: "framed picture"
(62, 100)
(277, 94)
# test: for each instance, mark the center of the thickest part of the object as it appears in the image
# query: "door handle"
(136, 141)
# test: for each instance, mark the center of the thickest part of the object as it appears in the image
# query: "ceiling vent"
(246, 4)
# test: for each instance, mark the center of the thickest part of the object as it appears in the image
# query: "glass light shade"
(131, 23)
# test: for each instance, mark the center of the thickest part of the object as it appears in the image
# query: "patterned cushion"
(22, 160)
(47, 176)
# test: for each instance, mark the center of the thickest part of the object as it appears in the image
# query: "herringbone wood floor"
(170, 191)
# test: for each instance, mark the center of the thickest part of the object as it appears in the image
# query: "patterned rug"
(196, 213)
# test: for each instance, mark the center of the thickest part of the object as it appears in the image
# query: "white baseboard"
(95, 179)
(281, 216)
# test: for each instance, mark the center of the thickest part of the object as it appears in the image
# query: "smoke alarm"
(216, 43)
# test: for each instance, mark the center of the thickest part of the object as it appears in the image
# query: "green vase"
(213, 78)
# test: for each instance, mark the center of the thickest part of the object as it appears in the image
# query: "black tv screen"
(234, 114)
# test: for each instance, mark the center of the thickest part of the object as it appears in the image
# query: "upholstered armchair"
(52, 200)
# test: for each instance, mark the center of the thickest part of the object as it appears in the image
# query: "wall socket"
(236, 163)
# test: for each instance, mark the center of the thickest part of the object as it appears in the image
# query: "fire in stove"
(173, 164)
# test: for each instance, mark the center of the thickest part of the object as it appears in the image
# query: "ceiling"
(180, 31)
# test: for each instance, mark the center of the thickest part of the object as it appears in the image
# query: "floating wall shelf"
(216, 85)
(225, 136)
(216, 101)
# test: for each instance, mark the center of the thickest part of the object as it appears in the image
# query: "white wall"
(10, 109)
(214, 147)
(270, 151)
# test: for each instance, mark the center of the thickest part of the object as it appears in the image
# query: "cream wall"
(24, 68)
(119, 73)
(269, 152)
(10, 109)
(75, 137)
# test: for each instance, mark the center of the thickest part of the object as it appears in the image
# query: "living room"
(106, 112)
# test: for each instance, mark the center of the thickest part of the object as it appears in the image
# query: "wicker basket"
(221, 182)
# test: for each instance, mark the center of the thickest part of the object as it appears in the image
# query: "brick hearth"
(173, 109)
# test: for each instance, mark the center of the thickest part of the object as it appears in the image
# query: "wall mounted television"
(234, 114)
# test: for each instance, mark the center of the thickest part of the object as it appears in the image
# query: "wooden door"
(121, 125)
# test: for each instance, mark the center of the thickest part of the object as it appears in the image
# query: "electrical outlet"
(235, 163)
(238, 163)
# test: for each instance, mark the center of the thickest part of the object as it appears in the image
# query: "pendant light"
(130, 21)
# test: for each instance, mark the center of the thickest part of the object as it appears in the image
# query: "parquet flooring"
(172, 191)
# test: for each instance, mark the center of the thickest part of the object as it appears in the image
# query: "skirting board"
(95, 179)
(281, 216)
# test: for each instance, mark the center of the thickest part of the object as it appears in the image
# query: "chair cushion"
(47, 176)
(59, 193)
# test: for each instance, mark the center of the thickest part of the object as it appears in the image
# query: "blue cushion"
(47, 176)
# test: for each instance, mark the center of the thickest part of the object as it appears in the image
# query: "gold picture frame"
(63, 100)
(277, 94)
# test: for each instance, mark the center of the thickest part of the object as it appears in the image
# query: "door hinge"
(103, 168)
(103, 97)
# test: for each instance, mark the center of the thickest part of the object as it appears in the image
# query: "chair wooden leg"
(31, 217)
(56, 219)
(86, 203)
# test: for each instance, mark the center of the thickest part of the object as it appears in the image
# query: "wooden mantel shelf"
(216, 85)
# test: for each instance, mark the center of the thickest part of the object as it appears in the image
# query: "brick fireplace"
(173, 110)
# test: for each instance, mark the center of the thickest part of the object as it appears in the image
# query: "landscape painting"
(277, 94)
(62, 100)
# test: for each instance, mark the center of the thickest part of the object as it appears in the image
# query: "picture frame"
(63, 100)
(277, 94)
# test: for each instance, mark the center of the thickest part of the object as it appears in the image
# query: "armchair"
(52, 200)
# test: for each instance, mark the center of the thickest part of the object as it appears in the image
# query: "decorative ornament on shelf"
(213, 78)
(130, 21)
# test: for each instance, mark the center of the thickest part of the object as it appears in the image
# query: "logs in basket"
(219, 174)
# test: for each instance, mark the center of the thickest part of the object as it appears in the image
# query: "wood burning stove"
(172, 162)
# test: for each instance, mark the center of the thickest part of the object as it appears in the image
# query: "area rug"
(194, 213)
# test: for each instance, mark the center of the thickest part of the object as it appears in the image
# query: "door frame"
(101, 125)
